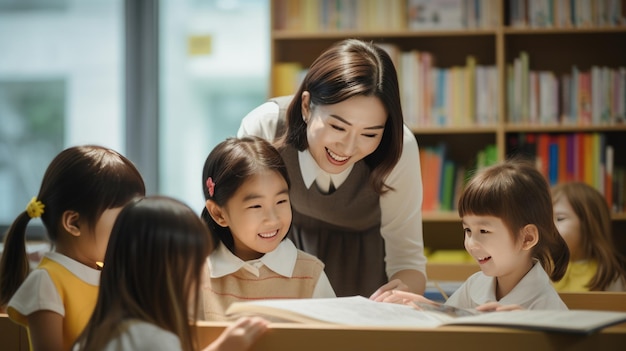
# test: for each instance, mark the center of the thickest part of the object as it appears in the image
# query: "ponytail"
(14, 265)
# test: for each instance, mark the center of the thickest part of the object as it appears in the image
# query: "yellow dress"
(578, 274)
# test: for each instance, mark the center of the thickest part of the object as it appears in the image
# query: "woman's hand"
(494, 306)
(240, 335)
(404, 298)
(396, 284)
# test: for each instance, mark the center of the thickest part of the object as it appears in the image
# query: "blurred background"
(161, 81)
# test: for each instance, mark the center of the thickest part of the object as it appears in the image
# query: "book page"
(355, 310)
(447, 312)
(579, 321)
(360, 311)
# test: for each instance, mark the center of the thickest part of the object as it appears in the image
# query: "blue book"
(553, 163)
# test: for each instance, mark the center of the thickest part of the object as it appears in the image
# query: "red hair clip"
(210, 186)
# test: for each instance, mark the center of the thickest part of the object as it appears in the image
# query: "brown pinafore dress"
(342, 228)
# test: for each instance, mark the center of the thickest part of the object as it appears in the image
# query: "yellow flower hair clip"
(35, 208)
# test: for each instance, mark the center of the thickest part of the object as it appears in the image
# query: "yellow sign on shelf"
(199, 45)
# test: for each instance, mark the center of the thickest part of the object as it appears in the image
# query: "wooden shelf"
(549, 49)
(290, 34)
(575, 31)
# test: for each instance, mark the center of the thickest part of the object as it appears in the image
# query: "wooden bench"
(595, 300)
(12, 336)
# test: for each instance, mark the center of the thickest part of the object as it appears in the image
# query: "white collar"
(84, 272)
(486, 288)
(311, 171)
(282, 261)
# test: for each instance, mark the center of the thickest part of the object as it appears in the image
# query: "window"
(61, 84)
(63, 73)
(214, 69)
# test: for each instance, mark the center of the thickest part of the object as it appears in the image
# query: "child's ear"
(530, 236)
(69, 221)
(216, 213)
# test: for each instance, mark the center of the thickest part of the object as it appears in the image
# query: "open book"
(360, 311)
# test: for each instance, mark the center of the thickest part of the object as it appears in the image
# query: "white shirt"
(281, 260)
(401, 210)
(144, 336)
(533, 292)
(38, 292)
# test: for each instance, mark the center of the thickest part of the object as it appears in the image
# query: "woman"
(356, 183)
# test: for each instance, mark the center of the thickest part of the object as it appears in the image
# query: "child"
(154, 264)
(584, 220)
(83, 190)
(246, 188)
(506, 212)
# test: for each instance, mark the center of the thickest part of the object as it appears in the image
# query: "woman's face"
(341, 134)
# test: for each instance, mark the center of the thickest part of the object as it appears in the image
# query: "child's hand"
(240, 335)
(386, 289)
(494, 306)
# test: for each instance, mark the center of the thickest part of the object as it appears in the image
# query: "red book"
(543, 153)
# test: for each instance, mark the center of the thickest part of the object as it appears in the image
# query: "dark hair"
(229, 164)
(87, 179)
(517, 193)
(596, 235)
(154, 259)
(350, 68)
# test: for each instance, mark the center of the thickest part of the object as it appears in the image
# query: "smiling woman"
(344, 127)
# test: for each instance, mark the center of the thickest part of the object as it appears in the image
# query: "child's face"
(568, 225)
(495, 249)
(95, 242)
(341, 134)
(259, 214)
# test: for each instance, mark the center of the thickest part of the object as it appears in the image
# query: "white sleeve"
(323, 288)
(260, 122)
(37, 293)
(401, 212)
(462, 298)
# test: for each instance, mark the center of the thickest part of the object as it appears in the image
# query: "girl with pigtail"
(82, 191)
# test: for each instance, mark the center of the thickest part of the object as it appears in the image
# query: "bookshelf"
(559, 39)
